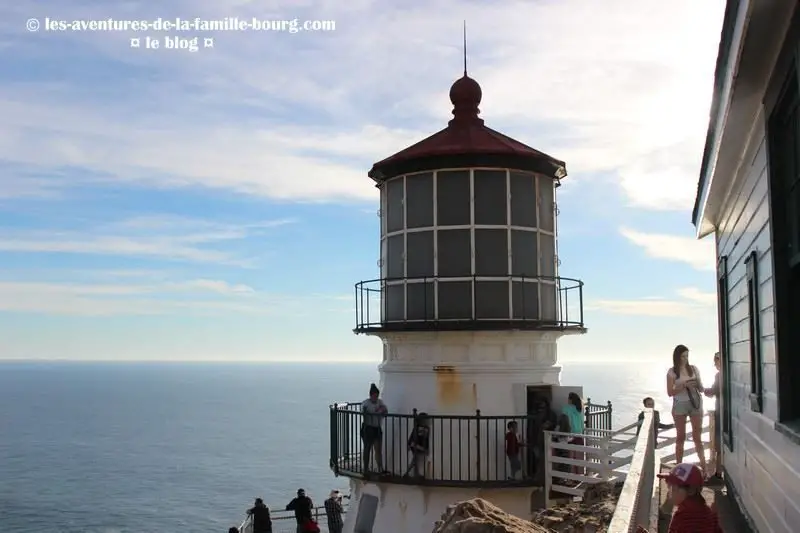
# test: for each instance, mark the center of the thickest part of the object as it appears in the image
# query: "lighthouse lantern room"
(469, 307)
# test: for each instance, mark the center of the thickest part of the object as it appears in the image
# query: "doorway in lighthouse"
(538, 397)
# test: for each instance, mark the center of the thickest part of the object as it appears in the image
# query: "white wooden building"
(749, 199)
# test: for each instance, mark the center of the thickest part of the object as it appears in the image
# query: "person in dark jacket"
(303, 509)
(419, 446)
(649, 403)
(262, 522)
(544, 419)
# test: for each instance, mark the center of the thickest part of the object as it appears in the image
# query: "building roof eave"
(737, 13)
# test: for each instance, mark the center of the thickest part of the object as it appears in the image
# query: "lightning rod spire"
(465, 48)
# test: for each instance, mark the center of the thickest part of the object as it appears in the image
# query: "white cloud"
(107, 300)
(212, 285)
(111, 294)
(701, 297)
(699, 254)
(692, 302)
(654, 307)
(164, 237)
(608, 86)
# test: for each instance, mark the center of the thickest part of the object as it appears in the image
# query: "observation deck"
(457, 303)
(464, 451)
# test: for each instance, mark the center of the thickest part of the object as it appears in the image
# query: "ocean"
(168, 447)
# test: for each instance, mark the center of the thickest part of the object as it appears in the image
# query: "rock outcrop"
(479, 516)
(590, 516)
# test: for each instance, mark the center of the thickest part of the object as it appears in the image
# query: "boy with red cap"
(692, 514)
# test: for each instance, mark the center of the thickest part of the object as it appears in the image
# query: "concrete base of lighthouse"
(456, 373)
(409, 509)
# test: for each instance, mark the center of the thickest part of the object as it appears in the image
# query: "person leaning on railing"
(692, 513)
(262, 522)
(649, 403)
(303, 509)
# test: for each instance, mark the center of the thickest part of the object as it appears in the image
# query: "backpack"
(311, 527)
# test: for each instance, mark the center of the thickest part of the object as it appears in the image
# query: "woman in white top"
(685, 389)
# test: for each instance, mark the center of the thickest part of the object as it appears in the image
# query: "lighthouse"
(469, 307)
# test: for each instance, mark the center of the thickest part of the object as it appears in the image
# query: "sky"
(164, 204)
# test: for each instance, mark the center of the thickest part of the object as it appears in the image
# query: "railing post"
(478, 436)
(334, 439)
(548, 468)
(605, 457)
(608, 420)
(587, 413)
(474, 287)
(368, 305)
(425, 298)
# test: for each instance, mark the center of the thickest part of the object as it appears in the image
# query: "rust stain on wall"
(448, 384)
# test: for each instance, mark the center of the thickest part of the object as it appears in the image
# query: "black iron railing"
(598, 416)
(469, 302)
(462, 450)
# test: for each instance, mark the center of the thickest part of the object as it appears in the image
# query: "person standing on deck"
(513, 445)
(374, 411)
(419, 446)
(649, 403)
(574, 413)
(684, 387)
(716, 435)
(303, 509)
(262, 522)
(334, 511)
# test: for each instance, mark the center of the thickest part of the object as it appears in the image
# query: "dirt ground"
(579, 517)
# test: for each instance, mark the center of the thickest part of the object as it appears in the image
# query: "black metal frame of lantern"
(376, 313)
(464, 450)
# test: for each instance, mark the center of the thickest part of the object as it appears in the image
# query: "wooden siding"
(763, 466)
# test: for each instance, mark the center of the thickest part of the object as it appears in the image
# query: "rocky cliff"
(593, 515)
(480, 516)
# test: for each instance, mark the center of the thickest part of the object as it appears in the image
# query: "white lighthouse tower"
(469, 308)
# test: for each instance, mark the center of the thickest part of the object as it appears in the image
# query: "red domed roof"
(465, 94)
(466, 141)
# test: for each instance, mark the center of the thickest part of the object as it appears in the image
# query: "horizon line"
(268, 361)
